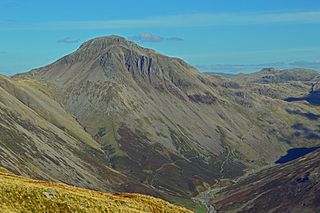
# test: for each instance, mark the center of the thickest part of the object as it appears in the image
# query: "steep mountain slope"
(160, 122)
(18, 194)
(292, 187)
(40, 139)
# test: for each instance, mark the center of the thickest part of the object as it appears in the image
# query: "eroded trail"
(206, 202)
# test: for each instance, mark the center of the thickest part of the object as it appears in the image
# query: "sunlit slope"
(18, 194)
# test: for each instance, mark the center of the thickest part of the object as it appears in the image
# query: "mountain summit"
(110, 57)
(101, 43)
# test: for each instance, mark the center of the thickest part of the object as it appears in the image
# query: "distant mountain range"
(226, 75)
(234, 69)
(114, 116)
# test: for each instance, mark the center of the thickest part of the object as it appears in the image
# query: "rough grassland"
(19, 194)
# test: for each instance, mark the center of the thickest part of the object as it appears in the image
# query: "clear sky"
(205, 33)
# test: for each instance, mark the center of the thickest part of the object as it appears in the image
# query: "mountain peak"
(107, 57)
(106, 41)
(99, 46)
(112, 39)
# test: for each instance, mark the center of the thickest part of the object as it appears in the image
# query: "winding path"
(206, 201)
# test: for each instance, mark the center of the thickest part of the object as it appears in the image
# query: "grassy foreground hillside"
(19, 194)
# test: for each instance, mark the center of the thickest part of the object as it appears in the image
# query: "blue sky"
(216, 35)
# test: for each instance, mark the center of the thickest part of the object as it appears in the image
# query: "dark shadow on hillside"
(313, 98)
(302, 131)
(309, 115)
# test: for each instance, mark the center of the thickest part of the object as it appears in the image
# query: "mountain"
(19, 194)
(114, 116)
(292, 187)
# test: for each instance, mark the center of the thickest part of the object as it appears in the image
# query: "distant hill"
(227, 75)
(272, 75)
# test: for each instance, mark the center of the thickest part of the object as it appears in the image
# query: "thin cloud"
(174, 39)
(149, 37)
(186, 20)
(9, 3)
(11, 21)
(68, 40)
